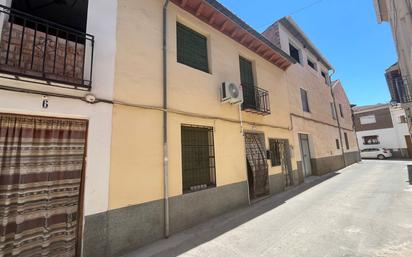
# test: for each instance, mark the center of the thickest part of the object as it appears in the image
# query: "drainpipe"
(337, 117)
(165, 128)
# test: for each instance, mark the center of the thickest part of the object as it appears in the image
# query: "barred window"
(198, 158)
(371, 140)
(274, 152)
(192, 48)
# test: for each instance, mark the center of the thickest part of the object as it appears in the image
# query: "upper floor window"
(70, 13)
(371, 140)
(341, 110)
(294, 53)
(370, 119)
(325, 76)
(332, 108)
(305, 102)
(312, 64)
(192, 48)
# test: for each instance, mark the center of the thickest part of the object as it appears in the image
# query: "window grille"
(198, 158)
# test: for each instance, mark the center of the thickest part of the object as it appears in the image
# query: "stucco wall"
(99, 115)
(136, 170)
(320, 98)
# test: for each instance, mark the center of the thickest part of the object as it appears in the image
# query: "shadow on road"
(200, 234)
(410, 174)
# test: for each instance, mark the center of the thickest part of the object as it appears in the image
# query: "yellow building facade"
(145, 204)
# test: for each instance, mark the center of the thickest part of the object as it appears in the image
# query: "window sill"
(195, 191)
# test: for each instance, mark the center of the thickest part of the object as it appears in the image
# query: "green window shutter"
(246, 73)
(192, 48)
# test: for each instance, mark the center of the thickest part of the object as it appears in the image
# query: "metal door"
(306, 158)
(286, 162)
(257, 167)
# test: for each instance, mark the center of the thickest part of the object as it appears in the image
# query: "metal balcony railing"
(403, 92)
(256, 100)
(44, 51)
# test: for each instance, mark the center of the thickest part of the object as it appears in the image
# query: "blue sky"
(345, 31)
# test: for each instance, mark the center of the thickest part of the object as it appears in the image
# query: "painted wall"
(99, 115)
(136, 168)
(390, 138)
(320, 98)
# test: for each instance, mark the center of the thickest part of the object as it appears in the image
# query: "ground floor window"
(198, 158)
(274, 145)
(371, 140)
(346, 140)
(337, 144)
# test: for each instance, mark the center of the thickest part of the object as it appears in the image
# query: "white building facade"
(383, 126)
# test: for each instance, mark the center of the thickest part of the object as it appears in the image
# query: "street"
(363, 210)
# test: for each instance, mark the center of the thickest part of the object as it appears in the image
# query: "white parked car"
(376, 153)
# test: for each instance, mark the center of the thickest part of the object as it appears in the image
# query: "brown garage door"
(41, 169)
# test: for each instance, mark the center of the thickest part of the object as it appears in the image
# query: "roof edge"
(289, 23)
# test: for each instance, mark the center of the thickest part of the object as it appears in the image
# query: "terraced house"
(56, 59)
(183, 111)
(321, 116)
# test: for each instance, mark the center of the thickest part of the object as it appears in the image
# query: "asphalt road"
(363, 210)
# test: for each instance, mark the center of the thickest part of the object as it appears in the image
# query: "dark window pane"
(305, 102)
(70, 13)
(337, 144)
(332, 107)
(294, 53)
(346, 140)
(275, 152)
(312, 64)
(370, 140)
(192, 48)
(341, 110)
(198, 158)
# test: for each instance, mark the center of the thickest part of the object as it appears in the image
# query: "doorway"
(257, 166)
(305, 152)
(42, 161)
(409, 145)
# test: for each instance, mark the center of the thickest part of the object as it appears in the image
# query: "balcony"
(256, 100)
(40, 51)
(402, 93)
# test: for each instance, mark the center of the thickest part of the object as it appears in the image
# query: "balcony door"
(248, 83)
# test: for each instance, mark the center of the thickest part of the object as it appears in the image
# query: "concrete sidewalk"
(363, 210)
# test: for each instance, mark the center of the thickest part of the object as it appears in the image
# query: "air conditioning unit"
(232, 93)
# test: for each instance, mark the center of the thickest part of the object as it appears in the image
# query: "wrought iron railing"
(256, 100)
(403, 92)
(35, 48)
